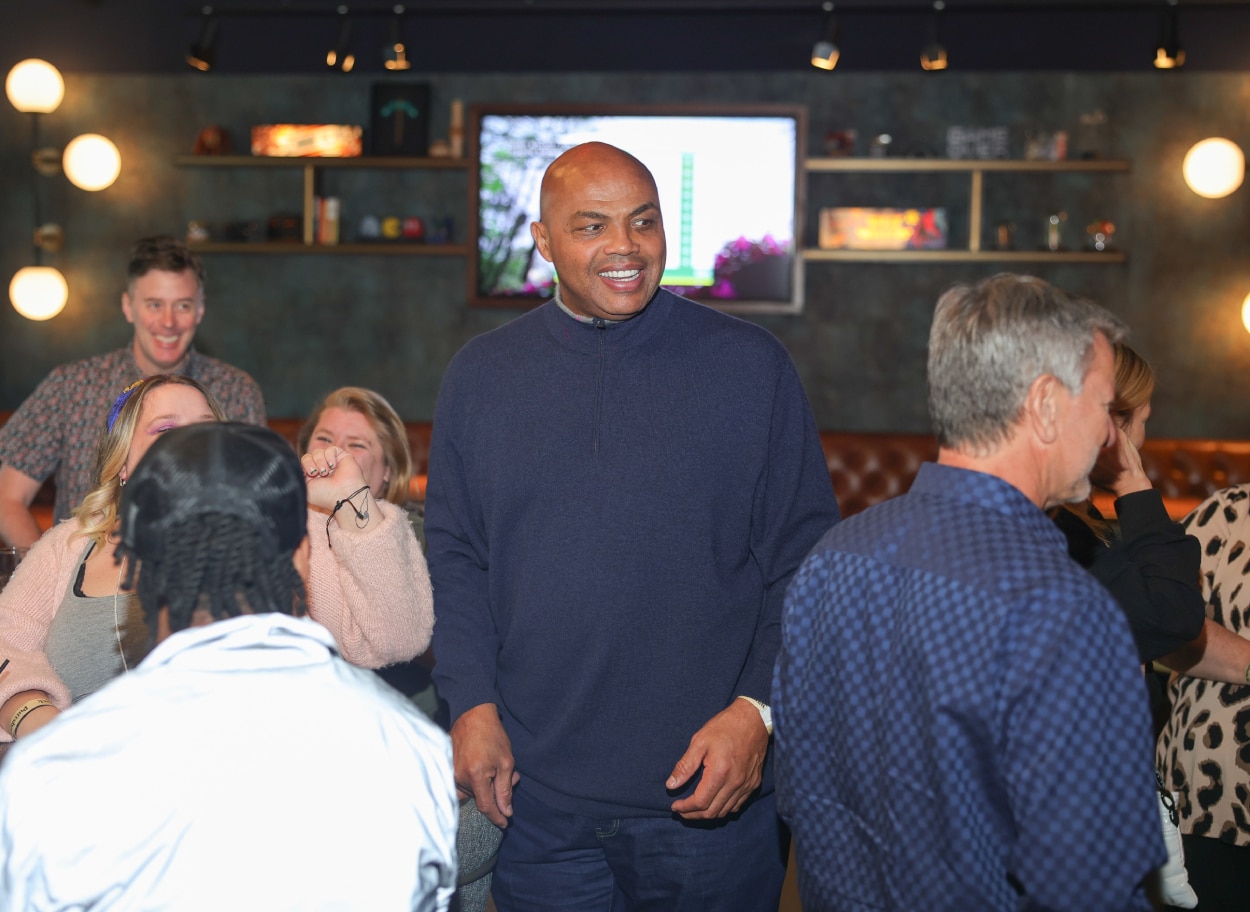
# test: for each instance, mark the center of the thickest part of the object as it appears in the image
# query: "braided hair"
(215, 562)
(211, 519)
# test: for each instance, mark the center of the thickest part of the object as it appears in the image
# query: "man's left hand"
(730, 748)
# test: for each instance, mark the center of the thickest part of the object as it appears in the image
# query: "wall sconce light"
(395, 54)
(1245, 313)
(38, 292)
(825, 52)
(90, 161)
(35, 87)
(1169, 55)
(1214, 168)
(340, 57)
(933, 56)
(201, 54)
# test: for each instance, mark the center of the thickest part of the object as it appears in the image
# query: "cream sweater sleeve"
(27, 606)
(370, 587)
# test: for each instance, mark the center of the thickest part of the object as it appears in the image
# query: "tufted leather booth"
(1186, 472)
(869, 467)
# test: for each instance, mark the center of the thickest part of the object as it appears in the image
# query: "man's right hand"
(483, 759)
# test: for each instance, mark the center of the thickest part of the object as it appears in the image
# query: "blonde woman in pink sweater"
(67, 627)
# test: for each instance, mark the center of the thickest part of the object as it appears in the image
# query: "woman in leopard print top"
(1204, 750)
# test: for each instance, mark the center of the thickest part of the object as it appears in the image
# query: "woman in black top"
(1152, 566)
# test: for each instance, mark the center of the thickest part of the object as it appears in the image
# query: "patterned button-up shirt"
(961, 720)
(56, 429)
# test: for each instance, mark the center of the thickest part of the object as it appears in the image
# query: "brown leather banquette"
(869, 467)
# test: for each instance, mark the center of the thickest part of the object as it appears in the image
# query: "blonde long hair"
(1134, 383)
(97, 514)
(385, 422)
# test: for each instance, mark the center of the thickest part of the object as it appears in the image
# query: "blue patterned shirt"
(961, 720)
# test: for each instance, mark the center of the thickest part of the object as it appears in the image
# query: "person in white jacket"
(244, 764)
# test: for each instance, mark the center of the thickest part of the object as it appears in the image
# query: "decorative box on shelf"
(882, 229)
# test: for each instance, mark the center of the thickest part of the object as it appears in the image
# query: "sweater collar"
(580, 334)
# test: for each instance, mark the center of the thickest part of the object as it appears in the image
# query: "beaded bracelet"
(362, 517)
(27, 708)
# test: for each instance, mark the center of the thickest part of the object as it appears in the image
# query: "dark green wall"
(302, 325)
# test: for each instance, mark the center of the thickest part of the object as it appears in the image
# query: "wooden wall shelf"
(976, 170)
(310, 167)
(912, 165)
(966, 256)
(287, 248)
(268, 161)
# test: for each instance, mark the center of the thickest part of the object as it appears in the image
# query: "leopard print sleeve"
(1203, 748)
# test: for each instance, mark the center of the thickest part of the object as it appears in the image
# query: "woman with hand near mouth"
(68, 627)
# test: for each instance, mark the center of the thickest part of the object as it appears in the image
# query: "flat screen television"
(730, 191)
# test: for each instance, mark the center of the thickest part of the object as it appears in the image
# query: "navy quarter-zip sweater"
(613, 514)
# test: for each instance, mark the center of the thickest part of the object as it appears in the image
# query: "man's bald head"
(579, 162)
(600, 225)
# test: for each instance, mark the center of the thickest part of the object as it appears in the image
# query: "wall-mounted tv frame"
(731, 191)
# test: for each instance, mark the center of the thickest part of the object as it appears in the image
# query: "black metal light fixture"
(200, 56)
(933, 55)
(825, 52)
(395, 54)
(1169, 55)
(340, 57)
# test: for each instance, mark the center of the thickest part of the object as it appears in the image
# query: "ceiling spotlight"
(933, 56)
(200, 56)
(340, 57)
(395, 54)
(825, 52)
(1169, 55)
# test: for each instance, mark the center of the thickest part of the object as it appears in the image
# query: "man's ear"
(538, 231)
(1042, 408)
(127, 311)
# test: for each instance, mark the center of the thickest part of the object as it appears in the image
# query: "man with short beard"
(961, 718)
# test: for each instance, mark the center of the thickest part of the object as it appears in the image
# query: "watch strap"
(766, 713)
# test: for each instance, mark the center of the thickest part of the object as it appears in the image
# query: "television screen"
(729, 193)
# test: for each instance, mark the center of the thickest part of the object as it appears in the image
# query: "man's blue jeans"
(551, 860)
